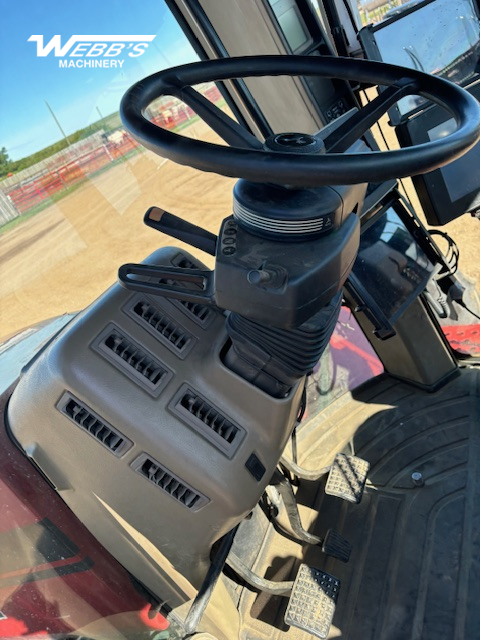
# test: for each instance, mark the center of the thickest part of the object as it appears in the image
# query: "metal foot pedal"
(336, 546)
(312, 603)
(347, 477)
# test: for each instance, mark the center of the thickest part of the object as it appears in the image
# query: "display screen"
(293, 29)
(461, 176)
(390, 264)
(454, 189)
(441, 38)
(291, 23)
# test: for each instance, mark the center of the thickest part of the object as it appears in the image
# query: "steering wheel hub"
(295, 143)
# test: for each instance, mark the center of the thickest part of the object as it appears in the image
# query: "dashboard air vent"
(133, 360)
(158, 475)
(160, 325)
(199, 313)
(207, 419)
(97, 427)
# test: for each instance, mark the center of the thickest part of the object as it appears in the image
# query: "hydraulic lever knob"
(180, 229)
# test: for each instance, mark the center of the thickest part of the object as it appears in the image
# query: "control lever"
(383, 328)
(180, 229)
(190, 285)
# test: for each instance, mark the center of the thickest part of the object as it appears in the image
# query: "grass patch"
(42, 205)
(56, 197)
(11, 224)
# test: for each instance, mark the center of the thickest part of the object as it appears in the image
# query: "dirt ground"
(67, 255)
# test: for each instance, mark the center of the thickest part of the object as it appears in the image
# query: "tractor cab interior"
(194, 418)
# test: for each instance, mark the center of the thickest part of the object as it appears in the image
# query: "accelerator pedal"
(333, 544)
(336, 546)
(347, 477)
(312, 602)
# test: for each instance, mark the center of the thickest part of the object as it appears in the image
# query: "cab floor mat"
(414, 570)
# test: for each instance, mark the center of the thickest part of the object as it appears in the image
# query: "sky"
(75, 95)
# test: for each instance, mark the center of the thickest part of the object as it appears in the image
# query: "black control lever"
(180, 229)
(191, 285)
(383, 328)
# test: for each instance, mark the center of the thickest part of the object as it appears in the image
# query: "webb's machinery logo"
(92, 51)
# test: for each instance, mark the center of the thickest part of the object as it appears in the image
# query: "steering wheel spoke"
(359, 123)
(226, 127)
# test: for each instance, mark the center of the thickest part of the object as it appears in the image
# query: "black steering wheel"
(248, 157)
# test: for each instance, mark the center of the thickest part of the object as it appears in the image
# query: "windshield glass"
(412, 40)
(74, 184)
(442, 38)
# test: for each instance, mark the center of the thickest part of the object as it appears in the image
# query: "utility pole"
(58, 123)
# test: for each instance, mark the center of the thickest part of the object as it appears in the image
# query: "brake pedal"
(347, 477)
(312, 602)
